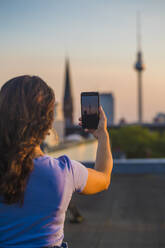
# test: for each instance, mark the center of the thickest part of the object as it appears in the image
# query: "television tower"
(139, 67)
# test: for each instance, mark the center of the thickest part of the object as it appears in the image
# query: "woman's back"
(35, 189)
(39, 222)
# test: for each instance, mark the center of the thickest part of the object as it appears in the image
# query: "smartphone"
(90, 110)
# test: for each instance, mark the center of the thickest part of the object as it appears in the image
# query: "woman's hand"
(102, 126)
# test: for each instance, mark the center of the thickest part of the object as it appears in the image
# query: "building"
(107, 102)
(159, 118)
(56, 133)
(67, 99)
(59, 122)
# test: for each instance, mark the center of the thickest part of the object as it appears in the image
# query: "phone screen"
(90, 109)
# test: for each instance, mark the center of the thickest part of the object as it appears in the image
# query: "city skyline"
(99, 37)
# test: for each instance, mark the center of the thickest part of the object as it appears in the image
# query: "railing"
(135, 166)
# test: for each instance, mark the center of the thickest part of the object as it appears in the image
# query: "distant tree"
(138, 142)
(158, 146)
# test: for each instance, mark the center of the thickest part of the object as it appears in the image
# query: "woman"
(35, 189)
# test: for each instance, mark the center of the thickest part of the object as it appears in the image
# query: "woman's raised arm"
(99, 177)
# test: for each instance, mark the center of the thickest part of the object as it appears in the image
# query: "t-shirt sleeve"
(80, 175)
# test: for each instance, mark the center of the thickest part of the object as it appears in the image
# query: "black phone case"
(90, 121)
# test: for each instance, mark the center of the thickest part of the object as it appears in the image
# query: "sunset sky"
(99, 37)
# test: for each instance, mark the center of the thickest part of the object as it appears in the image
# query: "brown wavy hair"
(26, 115)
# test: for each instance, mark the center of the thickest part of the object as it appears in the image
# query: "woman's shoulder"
(63, 161)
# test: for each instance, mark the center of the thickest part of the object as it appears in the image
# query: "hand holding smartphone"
(90, 110)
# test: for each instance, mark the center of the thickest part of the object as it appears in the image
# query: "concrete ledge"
(135, 166)
(68, 145)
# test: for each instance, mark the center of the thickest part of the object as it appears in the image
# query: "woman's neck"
(38, 151)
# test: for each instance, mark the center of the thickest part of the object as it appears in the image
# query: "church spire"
(68, 99)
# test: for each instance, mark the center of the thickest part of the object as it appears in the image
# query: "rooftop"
(130, 214)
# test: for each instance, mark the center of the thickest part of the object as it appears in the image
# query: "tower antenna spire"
(138, 23)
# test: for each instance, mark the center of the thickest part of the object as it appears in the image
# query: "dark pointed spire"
(67, 90)
(68, 99)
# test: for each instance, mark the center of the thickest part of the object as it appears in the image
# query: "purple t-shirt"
(49, 190)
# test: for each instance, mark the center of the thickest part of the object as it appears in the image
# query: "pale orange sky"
(88, 76)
